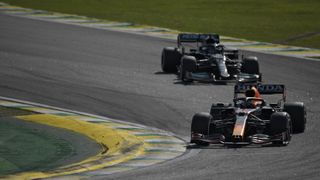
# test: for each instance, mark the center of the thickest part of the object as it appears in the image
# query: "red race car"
(250, 119)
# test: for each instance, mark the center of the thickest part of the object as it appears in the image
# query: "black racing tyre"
(201, 123)
(170, 59)
(297, 112)
(183, 75)
(280, 123)
(250, 65)
(188, 64)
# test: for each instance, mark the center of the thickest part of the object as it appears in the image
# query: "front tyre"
(170, 59)
(250, 65)
(200, 125)
(280, 127)
(188, 64)
(297, 113)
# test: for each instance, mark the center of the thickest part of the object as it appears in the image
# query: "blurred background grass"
(293, 22)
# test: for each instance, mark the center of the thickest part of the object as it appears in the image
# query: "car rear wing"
(241, 88)
(196, 38)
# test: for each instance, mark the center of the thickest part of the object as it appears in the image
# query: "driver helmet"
(253, 92)
(208, 45)
(209, 41)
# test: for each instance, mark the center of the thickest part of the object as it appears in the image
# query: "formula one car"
(209, 61)
(250, 119)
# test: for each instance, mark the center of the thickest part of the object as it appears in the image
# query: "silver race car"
(207, 60)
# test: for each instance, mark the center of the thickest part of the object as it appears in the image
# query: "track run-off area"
(117, 75)
(124, 146)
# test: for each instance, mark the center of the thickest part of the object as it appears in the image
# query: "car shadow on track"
(161, 72)
(193, 83)
(221, 146)
(199, 83)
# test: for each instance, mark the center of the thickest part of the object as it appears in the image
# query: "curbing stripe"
(112, 143)
(130, 143)
(243, 44)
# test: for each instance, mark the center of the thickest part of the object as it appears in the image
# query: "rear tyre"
(280, 124)
(200, 125)
(170, 59)
(297, 114)
(189, 64)
(250, 65)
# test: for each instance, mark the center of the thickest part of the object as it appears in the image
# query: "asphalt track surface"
(118, 75)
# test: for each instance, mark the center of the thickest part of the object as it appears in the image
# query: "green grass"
(6, 111)
(269, 21)
(25, 148)
(313, 41)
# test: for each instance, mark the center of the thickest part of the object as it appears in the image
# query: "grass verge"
(26, 146)
(6, 111)
(270, 21)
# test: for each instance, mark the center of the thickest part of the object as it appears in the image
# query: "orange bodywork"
(239, 127)
(256, 95)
